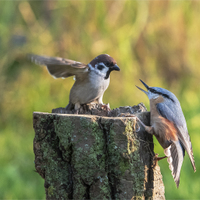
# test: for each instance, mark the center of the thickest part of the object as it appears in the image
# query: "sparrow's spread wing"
(60, 67)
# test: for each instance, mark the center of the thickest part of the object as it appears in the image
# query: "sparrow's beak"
(115, 67)
(146, 92)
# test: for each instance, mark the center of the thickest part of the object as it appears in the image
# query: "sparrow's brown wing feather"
(59, 67)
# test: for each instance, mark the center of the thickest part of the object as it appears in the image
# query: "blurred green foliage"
(157, 41)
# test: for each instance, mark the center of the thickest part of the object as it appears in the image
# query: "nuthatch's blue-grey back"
(169, 127)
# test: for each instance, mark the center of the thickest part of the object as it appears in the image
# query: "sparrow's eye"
(100, 67)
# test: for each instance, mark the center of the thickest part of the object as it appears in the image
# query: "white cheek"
(156, 96)
(104, 70)
(152, 96)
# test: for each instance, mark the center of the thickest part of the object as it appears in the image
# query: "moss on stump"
(95, 157)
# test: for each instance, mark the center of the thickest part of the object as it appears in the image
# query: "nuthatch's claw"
(156, 158)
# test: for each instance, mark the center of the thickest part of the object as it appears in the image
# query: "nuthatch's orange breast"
(164, 130)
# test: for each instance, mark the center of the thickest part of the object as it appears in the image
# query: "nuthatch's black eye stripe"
(164, 95)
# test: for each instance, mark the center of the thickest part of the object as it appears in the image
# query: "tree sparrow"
(91, 80)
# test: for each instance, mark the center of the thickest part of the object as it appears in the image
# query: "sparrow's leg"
(100, 100)
(104, 106)
(77, 106)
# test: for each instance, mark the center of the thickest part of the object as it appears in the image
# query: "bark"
(96, 157)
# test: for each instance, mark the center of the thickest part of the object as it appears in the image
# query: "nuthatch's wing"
(60, 67)
(173, 112)
(176, 151)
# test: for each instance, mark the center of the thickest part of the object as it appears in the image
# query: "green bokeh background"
(156, 41)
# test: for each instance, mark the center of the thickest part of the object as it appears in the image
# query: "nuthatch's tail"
(192, 158)
(175, 154)
(187, 145)
(188, 148)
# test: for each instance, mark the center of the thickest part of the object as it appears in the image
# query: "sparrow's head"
(104, 64)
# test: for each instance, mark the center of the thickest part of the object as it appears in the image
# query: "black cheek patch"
(107, 74)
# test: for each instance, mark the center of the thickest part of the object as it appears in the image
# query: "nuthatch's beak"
(115, 67)
(146, 92)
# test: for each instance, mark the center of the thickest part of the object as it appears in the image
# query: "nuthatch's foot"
(148, 129)
(156, 159)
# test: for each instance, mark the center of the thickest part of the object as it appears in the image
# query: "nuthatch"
(169, 127)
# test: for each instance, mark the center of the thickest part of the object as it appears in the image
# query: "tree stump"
(96, 157)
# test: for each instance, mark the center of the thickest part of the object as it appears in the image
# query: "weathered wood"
(95, 157)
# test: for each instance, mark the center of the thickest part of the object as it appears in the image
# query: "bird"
(168, 125)
(91, 80)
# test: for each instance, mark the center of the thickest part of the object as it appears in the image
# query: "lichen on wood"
(96, 157)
